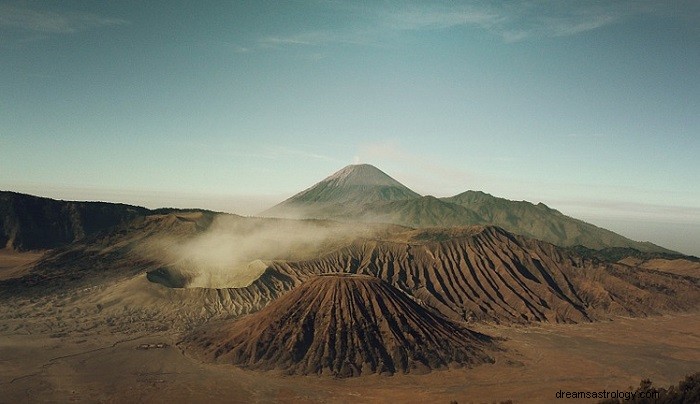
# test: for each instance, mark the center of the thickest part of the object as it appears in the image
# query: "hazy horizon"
(658, 227)
(588, 107)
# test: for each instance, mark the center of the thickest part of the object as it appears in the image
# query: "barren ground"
(539, 361)
(14, 264)
(71, 326)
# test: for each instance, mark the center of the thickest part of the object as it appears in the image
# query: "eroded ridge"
(342, 325)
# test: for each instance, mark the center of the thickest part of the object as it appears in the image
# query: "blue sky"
(592, 107)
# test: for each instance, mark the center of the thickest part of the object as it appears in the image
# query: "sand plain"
(538, 361)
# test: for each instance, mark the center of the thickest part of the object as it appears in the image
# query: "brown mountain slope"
(485, 273)
(341, 325)
(109, 275)
(477, 273)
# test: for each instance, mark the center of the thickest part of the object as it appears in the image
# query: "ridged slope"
(488, 274)
(477, 273)
(342, 325)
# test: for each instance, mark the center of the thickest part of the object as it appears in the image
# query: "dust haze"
(234, 251)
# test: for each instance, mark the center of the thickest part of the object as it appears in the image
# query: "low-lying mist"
(233, 251)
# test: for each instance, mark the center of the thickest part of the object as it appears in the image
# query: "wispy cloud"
(317, 38)
(560, 18)
(240, 49)
(46, 22)
(432, 16)
(511, 21)
(309, 38)
(517, 21)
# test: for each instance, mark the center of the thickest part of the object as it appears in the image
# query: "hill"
(29, 222)
(544, 223)
(424, 211)
(342, 325)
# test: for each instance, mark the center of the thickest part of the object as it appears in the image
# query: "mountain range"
(365, 193)
(356, 193)
(352, 296)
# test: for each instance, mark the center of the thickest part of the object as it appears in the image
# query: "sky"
(592, 107)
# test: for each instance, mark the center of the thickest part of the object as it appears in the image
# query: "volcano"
(345, 193)
(342, 325)
(365, 193)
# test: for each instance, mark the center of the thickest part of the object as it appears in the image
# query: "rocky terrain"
(151, 270)
(333, 298)
(342, 325)
(488, 274)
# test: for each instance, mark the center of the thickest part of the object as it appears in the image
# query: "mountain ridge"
(544, 223)
(365, 193)
(30, 222)
(354, 193)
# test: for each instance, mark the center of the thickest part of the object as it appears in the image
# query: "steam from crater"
(233, 251)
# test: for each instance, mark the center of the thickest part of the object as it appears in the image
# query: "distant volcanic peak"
(362, 174)
(365, 193)
(343, 325)
(354, 180)
(344, 194)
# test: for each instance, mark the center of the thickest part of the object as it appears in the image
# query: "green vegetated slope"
(365, 193)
